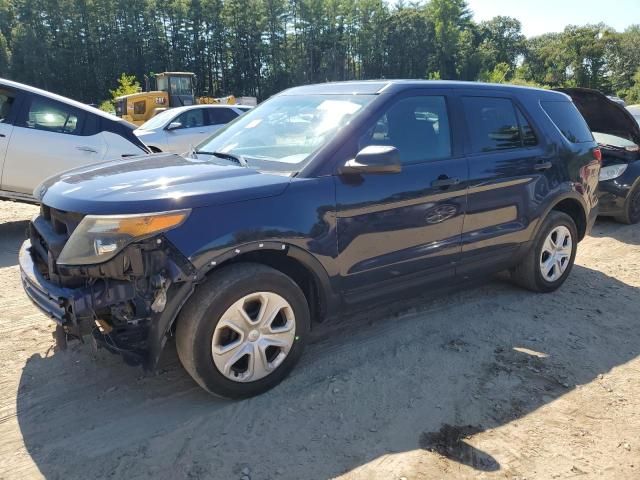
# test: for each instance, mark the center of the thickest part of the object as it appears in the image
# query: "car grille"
(49, 233)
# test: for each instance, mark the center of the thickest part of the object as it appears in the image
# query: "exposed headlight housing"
(99, 238)
(612, 171)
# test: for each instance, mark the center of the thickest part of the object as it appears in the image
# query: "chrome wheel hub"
(556, 253)
(253, 337)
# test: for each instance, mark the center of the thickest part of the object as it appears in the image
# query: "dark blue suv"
(321, 197)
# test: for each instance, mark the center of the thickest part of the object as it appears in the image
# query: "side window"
(526, 132)
(52, 116)
(569, 121)
(492, 124)
(7, 97)
(221, 116)
(192, 118)
(140, 107)
(417, 126)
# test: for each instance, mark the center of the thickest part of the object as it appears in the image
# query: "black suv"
(321, 197)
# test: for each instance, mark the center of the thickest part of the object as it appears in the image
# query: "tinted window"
(191, 118)
(121, 107)
(6, 103)
(52, 116)
(492, 124)
(569, 121)
(528, 135)
(139, 107)
(417, 126)
(220, 116)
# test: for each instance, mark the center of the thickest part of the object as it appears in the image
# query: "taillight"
(597, 154)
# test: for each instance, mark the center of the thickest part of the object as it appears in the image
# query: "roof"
(377, 87)
(203, 105)
(175, 73)
(59, 98)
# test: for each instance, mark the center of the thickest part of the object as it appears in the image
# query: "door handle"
(87, 149)
(444, 181)
(543, 166)
(2, 135)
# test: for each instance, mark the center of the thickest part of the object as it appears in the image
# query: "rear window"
(567, 118)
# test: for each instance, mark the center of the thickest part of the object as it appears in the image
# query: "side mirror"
(374, 159)
(174, 126)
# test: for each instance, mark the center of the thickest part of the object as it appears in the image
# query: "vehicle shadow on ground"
(12, 234)
(608, 228)
(407, 376)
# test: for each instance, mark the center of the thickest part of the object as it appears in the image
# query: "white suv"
(42, 134)
(180, 129)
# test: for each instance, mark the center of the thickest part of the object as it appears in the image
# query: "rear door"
(397, 229)
(219, 117)
(49, 137)
(509, 176)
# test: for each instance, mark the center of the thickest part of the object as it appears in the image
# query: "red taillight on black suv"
(597, 154)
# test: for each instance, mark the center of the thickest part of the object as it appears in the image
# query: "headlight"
(99, 238)
(612, 171)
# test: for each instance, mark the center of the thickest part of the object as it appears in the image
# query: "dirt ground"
(487, 382)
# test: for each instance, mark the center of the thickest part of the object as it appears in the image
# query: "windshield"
(158, 121)
(283, 132)
(180, 85)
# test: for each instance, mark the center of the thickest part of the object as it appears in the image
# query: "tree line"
(80, 48)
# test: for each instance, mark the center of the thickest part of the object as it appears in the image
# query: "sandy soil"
(488, 382)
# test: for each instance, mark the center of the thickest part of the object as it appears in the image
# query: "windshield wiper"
(234, 157)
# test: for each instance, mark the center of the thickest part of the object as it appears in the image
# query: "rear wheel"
(548, 264)
(631, 213)
(243, 330)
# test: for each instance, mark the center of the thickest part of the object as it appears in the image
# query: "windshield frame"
(280, 166)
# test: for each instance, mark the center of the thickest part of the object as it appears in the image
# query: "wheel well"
(294, 269)
(576, 212)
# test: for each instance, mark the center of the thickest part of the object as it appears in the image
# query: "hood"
(604, 115)
(153, 183)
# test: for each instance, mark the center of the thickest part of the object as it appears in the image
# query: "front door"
(49, 137)
(192, 131)
(7, 113)
(401, 228)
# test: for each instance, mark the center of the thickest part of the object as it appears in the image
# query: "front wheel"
(243, 330)
(548, 264)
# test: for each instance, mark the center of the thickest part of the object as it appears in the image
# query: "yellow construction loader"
(173, 89)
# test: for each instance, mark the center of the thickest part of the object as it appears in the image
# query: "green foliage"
(127, 84)
(258, 47)
(107, 106)
(632, 94)
(497, 75)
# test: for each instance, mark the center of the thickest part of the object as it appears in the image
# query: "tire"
(529, 273)
(631, 213)
(217, 325)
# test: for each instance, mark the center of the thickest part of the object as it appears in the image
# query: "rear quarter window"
(569, 121)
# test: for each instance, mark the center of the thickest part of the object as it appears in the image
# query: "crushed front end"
(126, 302)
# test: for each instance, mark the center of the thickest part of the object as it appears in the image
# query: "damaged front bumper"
(131, 317)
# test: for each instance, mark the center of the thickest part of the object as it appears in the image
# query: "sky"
(543, 16)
